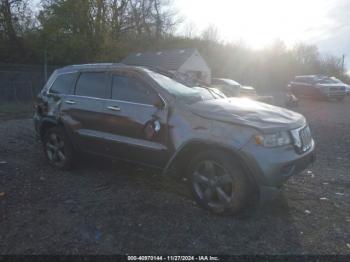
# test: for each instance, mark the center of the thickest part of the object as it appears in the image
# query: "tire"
(218, 183)
(58, 149)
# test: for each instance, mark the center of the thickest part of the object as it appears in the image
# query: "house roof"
(167, 59)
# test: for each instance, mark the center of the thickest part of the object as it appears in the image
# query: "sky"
(258, 23)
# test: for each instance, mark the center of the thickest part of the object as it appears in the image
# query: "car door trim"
(122, 139)
(112, 100)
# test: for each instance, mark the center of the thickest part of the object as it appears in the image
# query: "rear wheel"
(58, 149)
(218, 183)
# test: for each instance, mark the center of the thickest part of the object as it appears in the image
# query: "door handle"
(71, 102)
(114, 108)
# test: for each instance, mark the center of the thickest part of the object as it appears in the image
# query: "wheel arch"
(192, 147)
(46, 124)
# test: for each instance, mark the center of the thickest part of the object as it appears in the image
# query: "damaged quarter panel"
(186, 128)
(48, 106)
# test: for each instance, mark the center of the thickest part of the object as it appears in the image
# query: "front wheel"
(218, 183)
(58, 149)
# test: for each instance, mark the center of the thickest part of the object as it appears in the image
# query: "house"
(187, 62)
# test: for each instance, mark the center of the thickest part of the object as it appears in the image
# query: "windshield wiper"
(213, 92)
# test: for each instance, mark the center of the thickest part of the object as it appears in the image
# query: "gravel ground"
(105, 207)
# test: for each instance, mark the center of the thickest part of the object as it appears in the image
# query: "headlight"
(274, 140)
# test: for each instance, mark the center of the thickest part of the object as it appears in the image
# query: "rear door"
(301, 87)
(313, 89)
(309, 87)
(83, 111)
(136, 122)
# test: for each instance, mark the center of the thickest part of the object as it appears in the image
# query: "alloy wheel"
(213, 184)
(55, 150)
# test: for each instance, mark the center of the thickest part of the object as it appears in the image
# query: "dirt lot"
(107, 208)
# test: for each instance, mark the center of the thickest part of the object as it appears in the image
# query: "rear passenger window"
(63, 84)
(92, 84)
(132, 90)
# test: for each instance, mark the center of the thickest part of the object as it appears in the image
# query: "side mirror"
(159, 103)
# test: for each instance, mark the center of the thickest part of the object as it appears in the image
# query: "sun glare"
(259, 23)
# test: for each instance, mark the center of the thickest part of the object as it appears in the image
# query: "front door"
(136, 122)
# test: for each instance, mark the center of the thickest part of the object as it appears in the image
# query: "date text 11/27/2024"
(173, 258)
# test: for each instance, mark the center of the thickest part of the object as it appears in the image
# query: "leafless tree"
(211, 33)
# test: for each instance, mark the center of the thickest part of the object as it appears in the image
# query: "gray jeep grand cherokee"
(226, 148)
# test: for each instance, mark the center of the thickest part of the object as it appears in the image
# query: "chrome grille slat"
(302, 138)
(305, 137)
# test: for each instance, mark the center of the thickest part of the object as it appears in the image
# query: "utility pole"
(342, 65)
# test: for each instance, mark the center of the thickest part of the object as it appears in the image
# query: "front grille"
(305, 138)
(342, 88)
(302, 138)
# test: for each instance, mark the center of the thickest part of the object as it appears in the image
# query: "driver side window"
(130, 89)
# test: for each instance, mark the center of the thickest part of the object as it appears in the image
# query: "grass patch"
(15, 108)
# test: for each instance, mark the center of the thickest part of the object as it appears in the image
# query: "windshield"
(182, 93)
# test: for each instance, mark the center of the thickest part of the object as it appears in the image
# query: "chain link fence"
(21, 83)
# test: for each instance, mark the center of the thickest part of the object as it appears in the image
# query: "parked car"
(247, 91)
(226, 148)
(318, 86)
(231, 88)
(347, 89)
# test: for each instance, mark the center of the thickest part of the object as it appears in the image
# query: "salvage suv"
(227, 149)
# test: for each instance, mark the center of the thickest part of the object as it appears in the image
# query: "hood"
(248, 112)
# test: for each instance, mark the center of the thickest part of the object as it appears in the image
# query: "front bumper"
(273, 166)
(334, 94)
